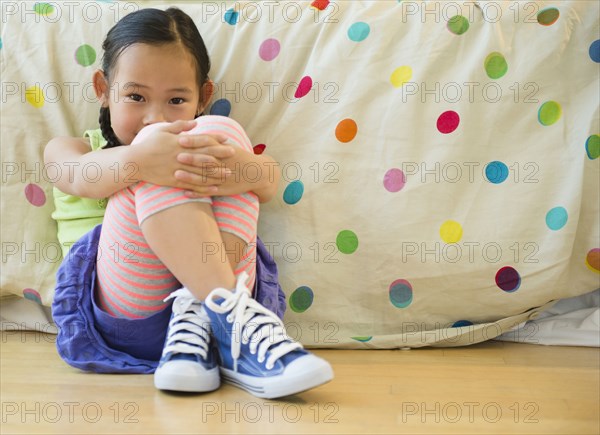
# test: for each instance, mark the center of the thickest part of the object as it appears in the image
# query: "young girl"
(119, 301)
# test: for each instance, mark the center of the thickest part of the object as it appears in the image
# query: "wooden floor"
(493, 387)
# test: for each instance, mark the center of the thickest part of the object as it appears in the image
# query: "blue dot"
(221, 107)
(556, 218)
(359, 31)
(293, 192)
(595, 51)
(231, 17)
(0, 43)
(496, 172)
(460, 323)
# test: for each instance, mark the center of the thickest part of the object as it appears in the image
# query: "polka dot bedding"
(439, 160)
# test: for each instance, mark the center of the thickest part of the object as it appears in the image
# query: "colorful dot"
(35, 195)
(320, 4)
(346, 130)
(304, 87)
(458, 24)
(269, 49)
(43, 8)
(496, 172)
(595, 51)
(451, 231)
(394, 180)
(293, 192)
(363, 339)
(221, 107)
(259, 149)
(359, 31)
(231, 17)
(401, 75)
(35, 96)
(508, 279)
(85, 55)
(448, 122)
(592, 146)
(556, 218)
(548, 16)
(592, 260)
(0, 43)
(461, 323)
(347, 241)
(495, 65)
(549, 113)
(401, 293)
(301, 299)
(32, 295)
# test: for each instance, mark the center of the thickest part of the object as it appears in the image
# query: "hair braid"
(107, 130)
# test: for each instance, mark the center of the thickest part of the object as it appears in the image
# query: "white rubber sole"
(187, 376)
(300, 375)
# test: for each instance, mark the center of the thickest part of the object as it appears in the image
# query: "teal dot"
(461, 323)
(0, 43)
(32, 295)
(346, 241)
(85, 55)
(293, 192)
(301, 299)
(556, 218)
(363, 339)
(232, 17)
(359, 31)
(496, 172)
(401, 293)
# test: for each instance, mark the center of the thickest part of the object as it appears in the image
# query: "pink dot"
(394, 180)
(35, 195)
(304, 87)
(269, 49)
(448, 122)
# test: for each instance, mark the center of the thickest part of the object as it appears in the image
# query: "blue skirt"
(93, 340)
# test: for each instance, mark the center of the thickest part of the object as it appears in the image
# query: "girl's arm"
(249, 173)
(101, 173)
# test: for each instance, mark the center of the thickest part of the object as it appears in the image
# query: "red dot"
(260, 148)
(304, 87)
(320, 4)
(448, 122)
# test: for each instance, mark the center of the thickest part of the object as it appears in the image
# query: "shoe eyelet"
(229, 319)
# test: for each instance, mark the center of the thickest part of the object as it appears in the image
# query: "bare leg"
(187, 240)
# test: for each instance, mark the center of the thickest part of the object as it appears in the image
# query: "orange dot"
(592, 260)
(346, 130)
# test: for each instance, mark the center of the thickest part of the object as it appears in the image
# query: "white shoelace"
(253, 323)
(189, 330)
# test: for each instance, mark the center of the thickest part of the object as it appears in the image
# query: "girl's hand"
(158, 153)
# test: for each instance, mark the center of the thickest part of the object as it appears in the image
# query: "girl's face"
(150, 84)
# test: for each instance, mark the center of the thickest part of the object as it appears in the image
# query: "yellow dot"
(451, 232)
(401, 75)
(34, 96)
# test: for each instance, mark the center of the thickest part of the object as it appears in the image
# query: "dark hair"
(154, 27)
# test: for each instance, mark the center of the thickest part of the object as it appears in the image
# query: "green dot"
(85, 55)
(43, 8)
(301, 299)
(547, 17)
(549, 113)
(495, 65)
(458, 24)
(346, 241)
(592, 146)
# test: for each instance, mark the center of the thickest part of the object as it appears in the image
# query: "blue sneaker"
(188, 362)
(255, 352)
